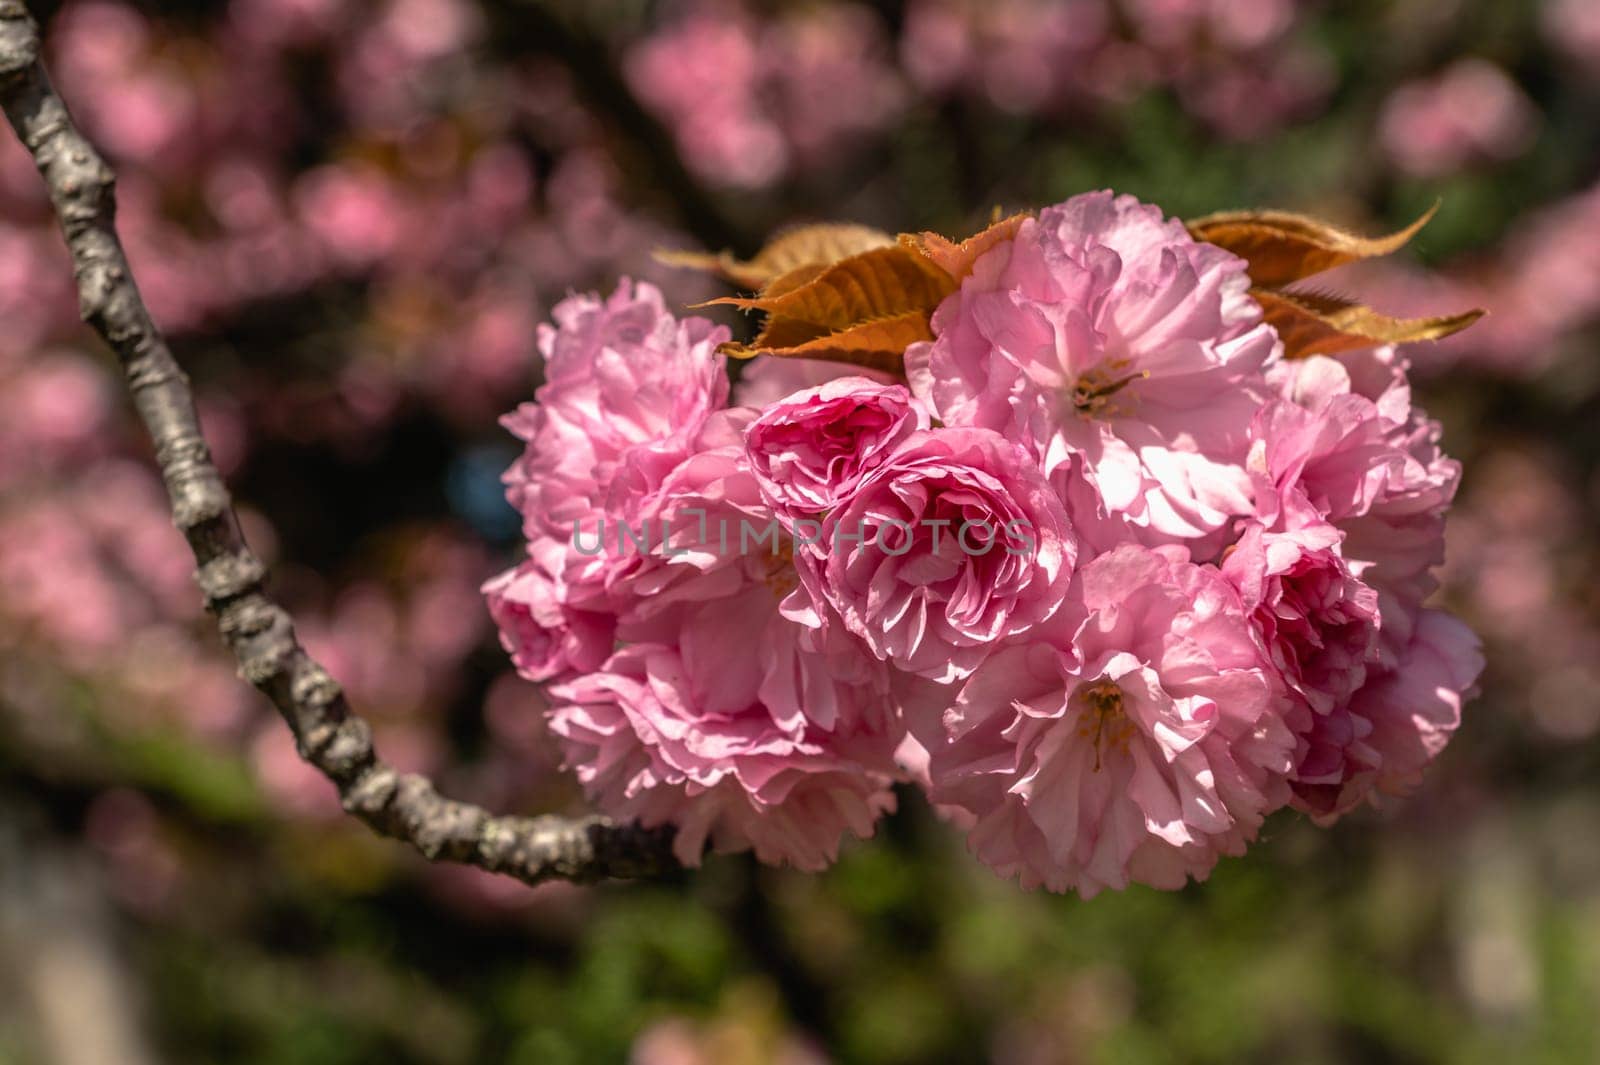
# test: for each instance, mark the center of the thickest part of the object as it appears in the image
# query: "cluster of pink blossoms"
(1109, 577)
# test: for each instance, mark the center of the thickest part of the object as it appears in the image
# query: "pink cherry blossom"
(620, 374)
(1348, 447)
(811, 450)
(715, 537)
(545, 635)
(1319, 626)
(672, 529)
(952, 544)
(749, 101)
(780, 746)
(1111, 580)
(1318, 622)
(1574, 27)
(1104, 331)
(1470, 111)
(703, 73)
(721, 715)
(1399, 722)
(669, 734)
(1141, 749)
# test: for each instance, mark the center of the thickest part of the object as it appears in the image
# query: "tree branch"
(259, 632)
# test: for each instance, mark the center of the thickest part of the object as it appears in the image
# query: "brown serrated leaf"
(814, 245)
(787, 332)
(877, 344)
(1281, 247)
(957, 259)
(792, 280)
(879, 283)
(1312, 323)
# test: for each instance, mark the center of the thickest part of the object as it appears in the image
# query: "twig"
(256, 629)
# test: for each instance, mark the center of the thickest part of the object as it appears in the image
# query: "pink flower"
(1345, 460)
(546, 635)
(1317, 465)
(1471, 110)
(716, 548)
(1398, 723)
(1140, 751)
(1416, 709)
(830, 81)
(710, 733)
(669, 532)
(703, 75)
(1317, 621)
(1105, 332)
(961, 544)
(1319, 625)
(621, 375)
(747, 101)
(1347, 447)
(811, 450)
(355, 211)
(668, 736)
(756, 619)
(715, 713)
(1574, 27)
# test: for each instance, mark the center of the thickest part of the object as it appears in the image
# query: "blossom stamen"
(1103, 702)
(1091, 396)
(780, 575)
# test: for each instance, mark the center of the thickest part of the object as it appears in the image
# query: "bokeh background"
(350, 215)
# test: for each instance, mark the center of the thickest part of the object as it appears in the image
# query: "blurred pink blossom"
(36, 293)
(1574, 27)
(1517, 540)
(1238, 66)
(1246, 100)
(352, 210)
(275, 23)
(1025, 56)
(830, 80)
(1470, 111)
(702, 73)
(1235, 24)
(749, 103)
(55, 410)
